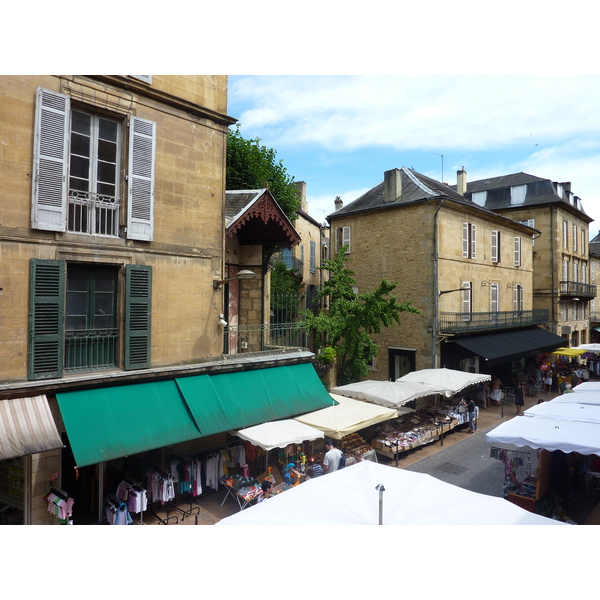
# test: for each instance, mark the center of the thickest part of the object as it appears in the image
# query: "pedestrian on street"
(496, 394)
(470, 404)
(331, 461)
(548, 381)
(519, 398)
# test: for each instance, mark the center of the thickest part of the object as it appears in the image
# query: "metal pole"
(381, 489)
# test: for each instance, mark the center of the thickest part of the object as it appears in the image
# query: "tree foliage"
(352, 319)
(251, 166)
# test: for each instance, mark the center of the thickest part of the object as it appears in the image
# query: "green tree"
(250, 166)
(352, 319)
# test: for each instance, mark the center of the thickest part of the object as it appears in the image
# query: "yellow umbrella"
(569, 351)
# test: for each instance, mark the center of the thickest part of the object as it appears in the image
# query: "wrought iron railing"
(461, 322)
(264, 338)
(93, 213)
(575, 288)
(88, 349)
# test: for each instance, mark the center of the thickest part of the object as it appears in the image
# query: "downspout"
(552, 300)
(434, 350)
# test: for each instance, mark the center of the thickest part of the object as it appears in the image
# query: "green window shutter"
(46, 319)
(138, 316)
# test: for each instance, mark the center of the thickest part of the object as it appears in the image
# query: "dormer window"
(517, 194)
(479, 198)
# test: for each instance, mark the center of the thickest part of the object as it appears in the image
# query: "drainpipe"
(434, 350)
(552, 300)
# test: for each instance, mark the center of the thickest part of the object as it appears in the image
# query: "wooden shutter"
(346, 238)
(46, 319)
(50, 161)
(313, 257)
(140, 205)
(495, 247)
(494, 297)
(466, 300)
(138, 316)
(465, 240)
(473, 241)
(517, 252)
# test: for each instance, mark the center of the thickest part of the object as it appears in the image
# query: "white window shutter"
(346, 238)
(473, 241)
(517, 251)
(50, 161)
(466, 300)
(465, 240)
(140, 205)
(494, 246)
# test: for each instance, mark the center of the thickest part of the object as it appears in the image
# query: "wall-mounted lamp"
(448, 291)
(486, 283)
(222, 321)
(244, 274)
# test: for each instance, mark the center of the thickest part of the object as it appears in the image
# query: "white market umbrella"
(450, 380)
(347, 417)
(279, 434)
(348, 497)
(567, 411)
(589, 347)
(548, 434)
(578, 398)
(587, 386)
(393, 394)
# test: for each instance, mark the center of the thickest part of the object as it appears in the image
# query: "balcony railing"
(264, 338)
(93, 213)
(574, 288)
(463, 322)
(90, 349)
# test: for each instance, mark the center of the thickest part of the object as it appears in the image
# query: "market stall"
(369, 494)
(587, 386)
(450, 380)
(392, 394)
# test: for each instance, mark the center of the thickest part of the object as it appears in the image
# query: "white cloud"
(321, 206)
(412, 112)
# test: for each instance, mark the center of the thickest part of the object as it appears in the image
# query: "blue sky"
(340, 133)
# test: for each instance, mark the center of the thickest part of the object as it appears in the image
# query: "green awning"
(231, 401)
(110, 422)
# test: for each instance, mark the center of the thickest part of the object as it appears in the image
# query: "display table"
(245, 490)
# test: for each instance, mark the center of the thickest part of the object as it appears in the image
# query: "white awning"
(392, 394)
(279, 434)
(347, 417)
(27, 427)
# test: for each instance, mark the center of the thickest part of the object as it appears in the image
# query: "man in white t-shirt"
(332, 457)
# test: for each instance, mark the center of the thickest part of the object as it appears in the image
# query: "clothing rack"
(113, 500)
(167, 504)
(139, 488)
(193, 509)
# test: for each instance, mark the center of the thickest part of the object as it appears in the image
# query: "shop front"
(132, 452)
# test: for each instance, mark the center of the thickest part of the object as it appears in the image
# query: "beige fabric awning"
(27, 427)
(347, 416)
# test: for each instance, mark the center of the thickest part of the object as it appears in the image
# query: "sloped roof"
(256, 218)
(415, 186)
(540, 191)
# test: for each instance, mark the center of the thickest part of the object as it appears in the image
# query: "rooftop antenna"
(442, 164)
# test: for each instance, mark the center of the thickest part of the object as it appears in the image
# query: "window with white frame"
(495, 252)
(479, 198)
(469, 240)
(564, 311)
(575, 271)
(517, 194)
(517, 247)
(467, 300)
(77, 170)
(494, 298)
(575, 238)
(583, 273)
(565, 270)
(575, 311)
(530, 223)
(343, 235)
(565, 234)
(518, 299)
(583, 241)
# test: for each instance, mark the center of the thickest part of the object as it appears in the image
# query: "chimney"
(338, 203)
(461, 182)
(392, 185)
(301, 189)
(566, 185)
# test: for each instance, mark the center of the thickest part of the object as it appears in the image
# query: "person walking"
(519, 397)
(496, 394)
(471, 411)
(548, 381)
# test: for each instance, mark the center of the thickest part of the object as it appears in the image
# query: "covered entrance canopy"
(346, 417)
(110, 422)
(569, 351)
(349, 497)
(497, 348)
(27, 427)
(392, 394)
